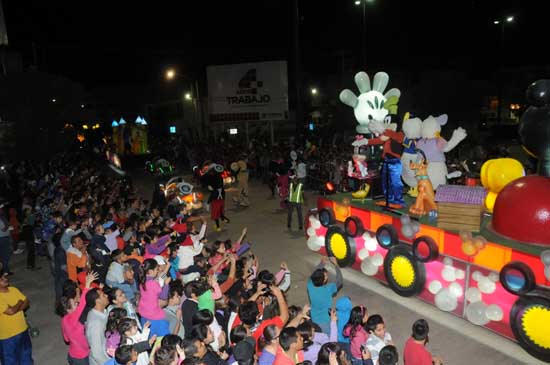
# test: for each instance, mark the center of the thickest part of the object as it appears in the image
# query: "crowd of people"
(138, 283)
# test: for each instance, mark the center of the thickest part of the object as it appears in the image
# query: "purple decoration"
(473, 195)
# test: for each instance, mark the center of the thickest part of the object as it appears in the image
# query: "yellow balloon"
(490, 200)
(469, 248)
(483, 173)
(502, 172)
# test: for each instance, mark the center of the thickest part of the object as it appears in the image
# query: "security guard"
(295, 200)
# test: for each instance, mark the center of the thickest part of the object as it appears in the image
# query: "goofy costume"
(392, 143)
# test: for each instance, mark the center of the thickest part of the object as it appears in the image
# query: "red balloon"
(522, 210)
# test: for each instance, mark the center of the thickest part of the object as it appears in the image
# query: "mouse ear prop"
(442, 119)
(348, 97)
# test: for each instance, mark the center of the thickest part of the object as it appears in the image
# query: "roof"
(474, 195)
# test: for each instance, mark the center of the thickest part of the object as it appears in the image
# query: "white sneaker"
(18, 251)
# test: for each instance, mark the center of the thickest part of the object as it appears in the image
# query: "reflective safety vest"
(295, 193)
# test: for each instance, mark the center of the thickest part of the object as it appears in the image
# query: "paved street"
(455, 340)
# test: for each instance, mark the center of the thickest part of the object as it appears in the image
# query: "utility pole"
(297, 69)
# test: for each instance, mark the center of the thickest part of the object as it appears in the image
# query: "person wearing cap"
(15, 342)
(295, 201)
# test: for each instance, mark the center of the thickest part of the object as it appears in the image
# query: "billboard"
(248, 91)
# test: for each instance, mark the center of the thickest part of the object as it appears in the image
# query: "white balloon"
(315, 223)
(547, 272)
(407, 231)
(445, 300)
(473, 295)
(494, 277)
(320, 240)
(447, 261)
(370, 242)
(377, 259)
(545, 257)
(363, 254)
(475, 312)
(477, 275)
(460, 274)
(311, 231)
(368, 268)
(456, 289)
(435, 286)
(448, 273)
(494, 312)
(486, 286)
(405, 219)
(312, 243)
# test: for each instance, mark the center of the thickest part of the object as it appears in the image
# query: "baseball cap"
(108, 224)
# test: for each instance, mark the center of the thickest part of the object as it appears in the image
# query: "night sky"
(105, 42)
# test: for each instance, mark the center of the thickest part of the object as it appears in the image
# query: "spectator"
(5, 246)
(415, 352)
(378, 336)
(290, 350)
(320, 293)
(355, 330)
(15, 342)
(95, 317)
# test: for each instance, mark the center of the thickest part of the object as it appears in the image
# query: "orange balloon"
(469, 248)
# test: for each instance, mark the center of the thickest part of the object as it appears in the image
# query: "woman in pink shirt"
(153, 298)
(73, 330)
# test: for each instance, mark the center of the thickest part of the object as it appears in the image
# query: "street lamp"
(502, 22)
(171, 74)
(313, 91)
(364, 30)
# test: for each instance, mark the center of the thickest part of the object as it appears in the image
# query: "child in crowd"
(152, 298)
(378, 336)
(356, 332)
(130, 335)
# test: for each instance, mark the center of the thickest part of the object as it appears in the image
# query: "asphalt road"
(455, 340)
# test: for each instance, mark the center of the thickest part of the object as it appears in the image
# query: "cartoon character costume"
(412, 128)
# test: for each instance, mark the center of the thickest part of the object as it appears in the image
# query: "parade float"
(479, 252)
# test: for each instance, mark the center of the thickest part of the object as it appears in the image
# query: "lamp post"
(363, 4)
(502, 23)
(171, 74)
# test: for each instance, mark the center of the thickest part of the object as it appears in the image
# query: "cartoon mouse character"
(435, 147)
(412, 128)
(392, 143)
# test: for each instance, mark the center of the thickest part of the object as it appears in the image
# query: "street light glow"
(357, 2)
(170, 74)
(82, 106)
(54, 100)
(510, 19)
(496, 22)
(187, 96)
(313, 91)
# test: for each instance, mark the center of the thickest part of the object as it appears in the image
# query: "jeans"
(5, 253)
(391, 180)
(290, 208)
(16, 350)
(73, 361)
(159, 327)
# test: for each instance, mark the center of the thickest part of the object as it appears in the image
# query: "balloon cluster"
(471, 245)
(477, 311)
(446, 299)
(409, 228)
(545, 258)
(314, 241)
(370, 260)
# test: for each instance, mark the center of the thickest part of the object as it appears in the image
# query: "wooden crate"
(459, 217)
